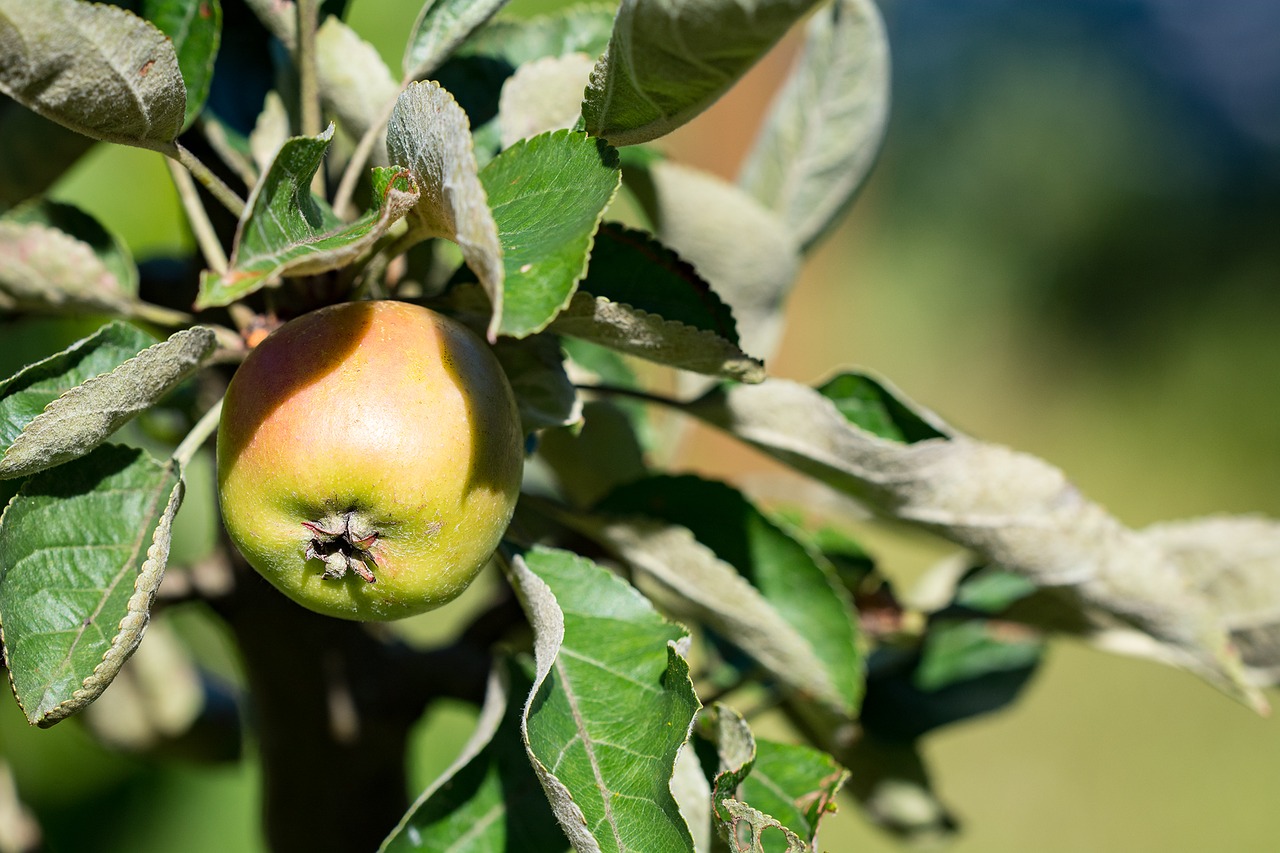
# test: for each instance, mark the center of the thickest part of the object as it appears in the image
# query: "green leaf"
(441, 26)
(355, 84)
(745, 251)
(824, 129)
(542, 96)
(195, 27)
(992, 590)
(602, 455)
(735, 751)
(874, 406)
(544, 393)
(547, 195)
(743, 827)
(631, 267)
(97, 69)
(476, 72)
(83, 549)
(61, 408)
(794, 784)
(580, 28)
(668, 61)
(56, 258)
(285, 230)
(428, 133)
(604, 365)
(34, 152)
(611, 706)
(490, 799)
(648, 336)
(797, 584)
(956, 651)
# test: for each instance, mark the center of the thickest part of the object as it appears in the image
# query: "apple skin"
(381, 420)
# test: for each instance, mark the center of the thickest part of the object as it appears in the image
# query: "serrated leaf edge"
(581, 274)
(137, 616)
(52, 409)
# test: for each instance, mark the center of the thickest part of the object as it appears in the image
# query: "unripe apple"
(369, 459)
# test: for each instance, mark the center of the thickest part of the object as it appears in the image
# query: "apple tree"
(504, 177)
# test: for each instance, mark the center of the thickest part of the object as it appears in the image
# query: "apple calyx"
(343, 544)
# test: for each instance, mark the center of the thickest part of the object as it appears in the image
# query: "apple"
(369, 459)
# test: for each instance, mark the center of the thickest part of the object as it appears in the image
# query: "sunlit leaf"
(548, 194)
(195, 27)
(355, 83)
(649, 336)
(690, 581)
(429, 135)
(824, 129)
(631, 267)
(83, 548)
(441, 26)
(1011, 509)
(542, 96)
(475, 74)
(285, 230)
(611, 706)
(490, 799)
(97, 69)
(668, 61)
(745, 251)
(795, 583)
(60, 408)
(794, 784)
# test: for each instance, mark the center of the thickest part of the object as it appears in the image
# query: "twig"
(198, 435)
(159, 315)
(223, 193)
(634, 393)
(198, 218)
(359, 157)
(308, 85)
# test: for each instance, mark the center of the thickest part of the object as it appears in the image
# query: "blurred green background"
(1067, 247)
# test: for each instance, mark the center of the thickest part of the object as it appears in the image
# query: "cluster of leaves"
(507, 182)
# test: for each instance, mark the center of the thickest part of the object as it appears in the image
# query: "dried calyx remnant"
(344, 544)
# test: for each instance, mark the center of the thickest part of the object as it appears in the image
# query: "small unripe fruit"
(369, 459)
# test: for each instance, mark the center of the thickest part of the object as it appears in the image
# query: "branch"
(333, 706)
(223, 193)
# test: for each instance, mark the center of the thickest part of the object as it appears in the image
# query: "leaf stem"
(634, 393)
(308, 15)
(159, 315)
(198, 435)
(198, 218)
(223, 193)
